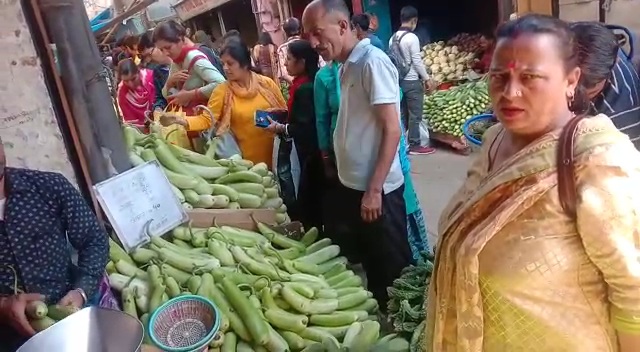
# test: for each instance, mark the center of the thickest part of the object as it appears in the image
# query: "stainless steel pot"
(90, 330)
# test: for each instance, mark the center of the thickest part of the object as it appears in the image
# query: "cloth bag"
(286, 168)
(174, 134)
(225, 145)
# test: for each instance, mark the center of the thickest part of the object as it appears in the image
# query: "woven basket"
(184, 324)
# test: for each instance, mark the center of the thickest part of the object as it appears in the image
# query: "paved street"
(436, 177)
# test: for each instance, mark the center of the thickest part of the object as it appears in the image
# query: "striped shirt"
(620, 99)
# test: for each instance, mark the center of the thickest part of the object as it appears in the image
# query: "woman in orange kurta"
(521, 265)
(234, 103)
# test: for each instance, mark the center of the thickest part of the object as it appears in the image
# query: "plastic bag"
(286, 168)
(227, 146)
(174, 134)
(424, 134)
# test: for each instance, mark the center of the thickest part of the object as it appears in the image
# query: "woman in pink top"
(136, 92)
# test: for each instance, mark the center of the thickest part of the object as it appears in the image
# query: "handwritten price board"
(140, 203)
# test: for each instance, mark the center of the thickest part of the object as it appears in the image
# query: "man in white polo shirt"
(366, 139)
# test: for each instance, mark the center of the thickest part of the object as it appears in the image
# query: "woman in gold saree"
(514, 272)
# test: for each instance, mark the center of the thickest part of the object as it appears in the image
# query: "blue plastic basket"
(468, 125)
(184, 324)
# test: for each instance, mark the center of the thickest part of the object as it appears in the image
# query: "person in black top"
(611, 81)
(41, 213)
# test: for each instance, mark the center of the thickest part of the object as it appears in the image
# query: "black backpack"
(215, 59)
(397, 57)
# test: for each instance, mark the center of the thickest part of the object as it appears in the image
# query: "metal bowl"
(92, 329)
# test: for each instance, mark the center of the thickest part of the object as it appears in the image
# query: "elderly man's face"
(326, 30)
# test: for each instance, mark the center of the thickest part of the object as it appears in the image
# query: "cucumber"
(41, 324)
(224, 190)
(36, 310)
(249, 188)
(249, 201)
(57, 312)
(271, 192)
(238, 177)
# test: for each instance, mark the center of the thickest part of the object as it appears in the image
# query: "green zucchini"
(249, 201)
(225, 190)
(248, 188)
(238, 177)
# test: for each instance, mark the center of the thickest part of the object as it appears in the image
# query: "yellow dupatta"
(487, 202)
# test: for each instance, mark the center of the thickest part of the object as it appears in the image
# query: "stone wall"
(28, 125)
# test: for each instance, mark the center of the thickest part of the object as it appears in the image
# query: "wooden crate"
(242, 218)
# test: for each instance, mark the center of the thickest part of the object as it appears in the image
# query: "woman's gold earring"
(570, 98)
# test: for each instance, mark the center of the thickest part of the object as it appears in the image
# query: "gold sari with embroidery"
(514, 273)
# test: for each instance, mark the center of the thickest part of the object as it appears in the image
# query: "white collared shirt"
(367, 78)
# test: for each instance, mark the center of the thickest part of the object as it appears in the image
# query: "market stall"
(272, 291)
(201, 182)
(462, 90)
(191, 227)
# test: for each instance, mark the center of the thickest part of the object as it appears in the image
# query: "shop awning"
(139, 6)
(101, 20)
(105, 15)
(187, 9)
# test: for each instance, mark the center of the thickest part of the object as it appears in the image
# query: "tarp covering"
(101, 19)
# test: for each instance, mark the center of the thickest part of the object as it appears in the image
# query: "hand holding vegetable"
(371, 206)
(73, 298)
(13, 309)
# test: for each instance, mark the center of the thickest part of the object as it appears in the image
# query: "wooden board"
(242, 218)
(543, 7)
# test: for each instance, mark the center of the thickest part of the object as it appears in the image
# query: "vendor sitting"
(40, 214)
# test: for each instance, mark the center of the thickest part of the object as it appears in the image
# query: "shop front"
(440, 20)
(216, 17)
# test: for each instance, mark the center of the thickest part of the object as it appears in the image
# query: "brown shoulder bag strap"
(566, 171)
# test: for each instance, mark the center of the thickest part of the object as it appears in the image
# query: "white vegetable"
(118, 282)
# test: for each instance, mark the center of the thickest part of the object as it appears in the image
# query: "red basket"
(445, 86)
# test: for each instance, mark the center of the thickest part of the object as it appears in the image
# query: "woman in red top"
(136, 92)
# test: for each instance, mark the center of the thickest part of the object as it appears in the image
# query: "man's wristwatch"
(82, 294)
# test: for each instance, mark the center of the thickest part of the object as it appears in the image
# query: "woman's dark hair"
(146, 41)
(169, 31)
(597, 51)
(127, 67)
(130, 41)
(239, 52)
(566, 47)
(302, 50)
(265, 39)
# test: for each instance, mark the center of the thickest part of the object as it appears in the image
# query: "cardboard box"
(242, 218)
